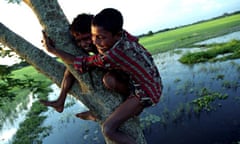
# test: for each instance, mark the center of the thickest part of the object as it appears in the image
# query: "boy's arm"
(50, 47)
(85, 63)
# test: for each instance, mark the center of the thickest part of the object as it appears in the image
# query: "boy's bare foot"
(58, 107)
(86, 116)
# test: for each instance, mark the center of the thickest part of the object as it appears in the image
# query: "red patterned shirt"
(132, 58)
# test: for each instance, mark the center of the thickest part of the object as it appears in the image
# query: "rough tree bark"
(52, 19)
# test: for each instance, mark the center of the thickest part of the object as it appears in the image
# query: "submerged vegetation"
(206, 97)
(213, 53)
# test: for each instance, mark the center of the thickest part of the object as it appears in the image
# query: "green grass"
(187, 36)
(30, 72)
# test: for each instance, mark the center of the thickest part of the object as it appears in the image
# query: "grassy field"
(32, 73)
(187, 36)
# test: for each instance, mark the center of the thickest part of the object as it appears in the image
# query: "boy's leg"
(66, 84)
(113, 81)
(126, 110)
(117, 81)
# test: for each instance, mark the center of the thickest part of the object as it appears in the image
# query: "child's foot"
(86, 116)
(58, 107)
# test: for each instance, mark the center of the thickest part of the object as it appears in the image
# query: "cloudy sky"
(140, 16)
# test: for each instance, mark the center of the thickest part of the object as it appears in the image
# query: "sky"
(140, 16)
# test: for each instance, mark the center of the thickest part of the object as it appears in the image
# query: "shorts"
(144, 99)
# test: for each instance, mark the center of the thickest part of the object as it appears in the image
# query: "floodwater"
(179, 123)
(11, 124)
(66, 128)
(174, 120)
(222, 39)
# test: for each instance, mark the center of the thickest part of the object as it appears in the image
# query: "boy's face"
(83, 40)
(102, 39)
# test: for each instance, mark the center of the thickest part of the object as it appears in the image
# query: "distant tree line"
(150, 33)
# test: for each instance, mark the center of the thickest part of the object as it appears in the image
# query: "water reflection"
(66, 128)
(10, 124)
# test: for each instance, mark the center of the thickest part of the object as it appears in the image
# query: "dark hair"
(81, 23)
(109, 19)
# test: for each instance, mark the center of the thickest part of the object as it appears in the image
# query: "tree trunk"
(99, 100)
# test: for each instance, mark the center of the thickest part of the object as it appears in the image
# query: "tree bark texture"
(99, 100)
